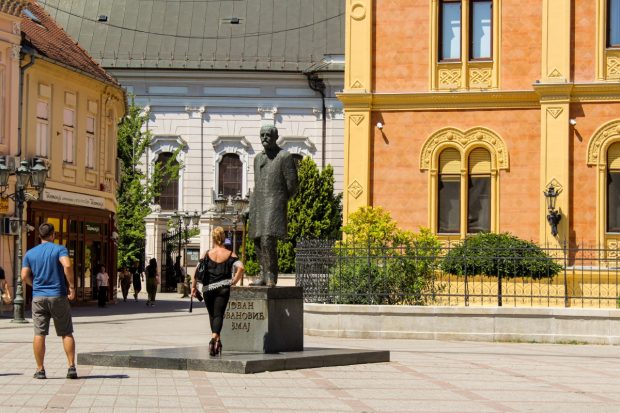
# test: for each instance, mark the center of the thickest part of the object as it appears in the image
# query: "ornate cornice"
(542, 93)
(439, 100)
(465, 141)
(600, 141)
(356, 100)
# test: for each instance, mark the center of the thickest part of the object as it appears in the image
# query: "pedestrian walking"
(152, 279)
(220, 262)
(5, 291)
(103, 283)
(46, 267)
(125, 279)
(137, 278)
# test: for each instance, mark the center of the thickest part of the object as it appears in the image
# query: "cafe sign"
(72, 198)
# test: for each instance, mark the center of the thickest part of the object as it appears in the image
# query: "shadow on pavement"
(166, 305)
(104, 376)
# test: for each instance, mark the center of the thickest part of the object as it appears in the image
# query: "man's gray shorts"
(57, 308)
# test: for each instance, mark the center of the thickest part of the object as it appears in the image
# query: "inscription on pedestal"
(243, 314)
(264, 320)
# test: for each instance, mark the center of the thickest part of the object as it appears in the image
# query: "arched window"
(613, 188)
(168, 200)
(230, 175)
(464, 180)
(479, 191)
(449, 192)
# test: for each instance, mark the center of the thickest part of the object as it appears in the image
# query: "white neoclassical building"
(210, 74)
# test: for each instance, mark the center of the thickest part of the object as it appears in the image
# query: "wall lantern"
(553, 215)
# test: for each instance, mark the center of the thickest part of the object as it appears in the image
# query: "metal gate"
(171, 247)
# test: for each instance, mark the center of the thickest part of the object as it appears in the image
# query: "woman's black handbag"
(201, 272)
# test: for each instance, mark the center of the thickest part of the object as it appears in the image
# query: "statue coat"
(275, 182)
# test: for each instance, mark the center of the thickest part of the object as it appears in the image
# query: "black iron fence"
(171, 246)
(340, 273)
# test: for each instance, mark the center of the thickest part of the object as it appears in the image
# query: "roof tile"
(51, 41)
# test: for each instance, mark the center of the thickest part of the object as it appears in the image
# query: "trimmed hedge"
(502, 255)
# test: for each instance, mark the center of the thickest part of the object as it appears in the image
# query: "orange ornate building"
(461, 113)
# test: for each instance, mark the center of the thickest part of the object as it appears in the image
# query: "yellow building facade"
(70, 111)
(539, 106)
(10, 37)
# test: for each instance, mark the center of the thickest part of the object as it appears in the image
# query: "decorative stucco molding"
(234, 140)
(476, 137)
(15, 49)
(600, 141)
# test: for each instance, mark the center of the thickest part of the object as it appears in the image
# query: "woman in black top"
(151, 281)
(217, 291)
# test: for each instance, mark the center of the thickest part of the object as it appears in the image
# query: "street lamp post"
(233, 207)
(182, 221)
(25, 175)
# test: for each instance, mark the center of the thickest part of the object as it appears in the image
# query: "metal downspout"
(318, 85)
(22, 72)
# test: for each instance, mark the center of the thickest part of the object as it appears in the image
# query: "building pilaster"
(357, 99)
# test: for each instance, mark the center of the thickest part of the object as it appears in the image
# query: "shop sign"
(4, 205)
(93, 228)
(72, 198)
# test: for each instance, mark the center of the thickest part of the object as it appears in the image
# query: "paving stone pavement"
(423, 376)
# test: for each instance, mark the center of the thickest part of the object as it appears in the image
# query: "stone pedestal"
(264, 320)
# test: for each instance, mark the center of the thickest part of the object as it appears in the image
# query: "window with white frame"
(230, 174)
(168, 198)
(42, 144)
(68, 132)
(90, 142)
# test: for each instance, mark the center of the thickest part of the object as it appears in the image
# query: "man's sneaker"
(72, 373)
(40, 374)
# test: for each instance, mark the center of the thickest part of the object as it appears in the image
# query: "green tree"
(378, 263)
(137, 192)
(499, 255)
(314, 212)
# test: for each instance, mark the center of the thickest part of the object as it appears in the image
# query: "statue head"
(269, 136)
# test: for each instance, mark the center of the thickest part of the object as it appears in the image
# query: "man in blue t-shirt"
(45, 268)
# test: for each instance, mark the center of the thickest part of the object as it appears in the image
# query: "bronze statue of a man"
(275, 182)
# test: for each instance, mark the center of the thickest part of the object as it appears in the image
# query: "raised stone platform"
(197, 358)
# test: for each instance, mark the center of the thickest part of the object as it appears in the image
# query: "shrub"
(381, 264)
(499, 255)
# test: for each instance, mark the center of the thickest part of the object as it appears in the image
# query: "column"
(357, 99)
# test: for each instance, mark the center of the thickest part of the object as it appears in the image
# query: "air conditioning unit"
(8, 226)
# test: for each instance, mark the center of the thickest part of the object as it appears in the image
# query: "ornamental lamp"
(23, 174)
(195, 219)
(551, 195)
(5, 172)
(38, 174)
(186, 219)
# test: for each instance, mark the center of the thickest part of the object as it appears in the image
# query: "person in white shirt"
(103, 283)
